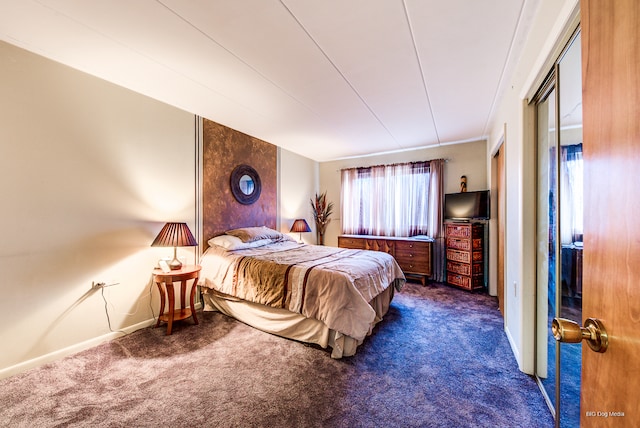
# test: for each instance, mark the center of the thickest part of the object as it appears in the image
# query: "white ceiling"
(325, 79)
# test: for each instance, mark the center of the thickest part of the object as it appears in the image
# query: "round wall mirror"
(245, 184)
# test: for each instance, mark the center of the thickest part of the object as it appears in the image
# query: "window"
(571, 194)
(392, 200)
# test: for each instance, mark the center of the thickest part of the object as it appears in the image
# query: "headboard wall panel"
(224, 149)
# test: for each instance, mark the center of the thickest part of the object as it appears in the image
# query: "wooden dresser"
(465, 255)
(413, 255)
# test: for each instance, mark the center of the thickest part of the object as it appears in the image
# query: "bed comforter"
(333, 285)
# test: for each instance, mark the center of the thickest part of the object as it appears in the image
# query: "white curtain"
(396, 200)
(390, 200)
(571, 193)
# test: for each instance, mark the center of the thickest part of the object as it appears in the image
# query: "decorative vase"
(322, 210)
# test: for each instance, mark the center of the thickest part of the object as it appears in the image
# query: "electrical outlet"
(102, 284)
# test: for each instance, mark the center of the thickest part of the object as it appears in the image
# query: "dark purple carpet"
(439, 359)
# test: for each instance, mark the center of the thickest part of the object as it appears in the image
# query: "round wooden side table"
(164, 281)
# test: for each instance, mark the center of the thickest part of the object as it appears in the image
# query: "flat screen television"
(467, 205)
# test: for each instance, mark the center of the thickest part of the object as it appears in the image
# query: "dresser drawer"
(458, 256)
(465, 268)
(459, 244)
(413, 247)
(458, 230)
(464, 244)
(414, 266)
(354, 243)
(379, 245)
(463, 230)
(463, 281)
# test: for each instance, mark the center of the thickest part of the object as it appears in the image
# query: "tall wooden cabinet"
(413, 255)
(465, 255)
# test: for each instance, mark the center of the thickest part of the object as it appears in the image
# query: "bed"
(332, 297)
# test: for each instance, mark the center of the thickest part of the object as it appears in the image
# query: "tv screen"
(467, 205)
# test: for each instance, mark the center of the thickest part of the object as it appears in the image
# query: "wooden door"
(610, 393)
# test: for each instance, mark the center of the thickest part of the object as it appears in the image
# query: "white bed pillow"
(229, 242)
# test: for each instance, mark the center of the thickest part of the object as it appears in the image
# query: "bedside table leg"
(171, 308)
(192, 301)
(162, 297)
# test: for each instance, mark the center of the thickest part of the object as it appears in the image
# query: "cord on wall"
(102, 285)
(106, 311)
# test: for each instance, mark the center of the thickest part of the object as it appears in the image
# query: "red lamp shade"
(300, 225)
(175, 235)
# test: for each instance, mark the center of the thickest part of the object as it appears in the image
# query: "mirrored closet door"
(559, 231)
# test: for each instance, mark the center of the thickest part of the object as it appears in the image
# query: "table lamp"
(175, 235)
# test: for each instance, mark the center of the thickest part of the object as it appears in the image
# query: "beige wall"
(549, 30)
(462, 159)
(89, 173)
(298, 183)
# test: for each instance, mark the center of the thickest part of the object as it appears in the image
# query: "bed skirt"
(291, 325)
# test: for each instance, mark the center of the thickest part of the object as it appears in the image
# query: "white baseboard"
(70, 350)
(73, 349)
(514, 348)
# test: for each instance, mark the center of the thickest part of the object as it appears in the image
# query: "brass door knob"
(593, 332)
